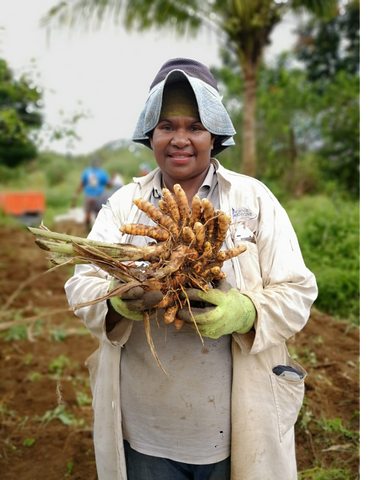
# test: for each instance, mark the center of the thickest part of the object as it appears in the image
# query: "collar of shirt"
(207, 186)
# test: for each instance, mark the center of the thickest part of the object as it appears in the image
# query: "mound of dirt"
(45, 398)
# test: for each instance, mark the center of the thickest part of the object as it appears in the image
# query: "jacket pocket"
(288, 396)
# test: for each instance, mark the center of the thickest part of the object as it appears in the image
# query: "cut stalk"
(39, 232)
(63, 244)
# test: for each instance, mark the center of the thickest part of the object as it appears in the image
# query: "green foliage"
(6, 220)
(55, 167)
(28, 442)
(34, 376)
(338, 110)
(318, 473)
(20, 101)
(58, 365)
(11, 176)
(69, 466)
(59, 413)
(328, 46)
(83, 398)
(19, 332)
(286, 127)
(307, 140)
(328, 233)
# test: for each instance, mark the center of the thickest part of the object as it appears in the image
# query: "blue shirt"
(94, 181)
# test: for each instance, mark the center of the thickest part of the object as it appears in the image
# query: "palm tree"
(245, 24)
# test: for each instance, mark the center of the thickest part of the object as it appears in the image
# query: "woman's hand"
(230, 311)
(130, 305)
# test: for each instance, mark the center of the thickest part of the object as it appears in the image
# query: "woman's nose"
(180, 138)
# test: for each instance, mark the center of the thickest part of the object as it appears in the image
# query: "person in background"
(116, 181)
(226, 409)
(94, 182)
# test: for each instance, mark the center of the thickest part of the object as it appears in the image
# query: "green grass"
(328, 233)
(318, 473)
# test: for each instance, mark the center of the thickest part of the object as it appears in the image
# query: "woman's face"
(182, 149)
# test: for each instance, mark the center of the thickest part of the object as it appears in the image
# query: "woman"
(227, 408)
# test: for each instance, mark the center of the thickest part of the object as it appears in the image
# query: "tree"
(307, 137)
(246, 25)
(330, 46)
(339, 114)
(20, 102)
(330, 52)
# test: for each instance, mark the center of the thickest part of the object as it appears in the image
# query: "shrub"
(328, 233)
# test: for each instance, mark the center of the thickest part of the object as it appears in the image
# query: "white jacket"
(272, 273)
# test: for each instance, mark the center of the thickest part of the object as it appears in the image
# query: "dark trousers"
(145, 467)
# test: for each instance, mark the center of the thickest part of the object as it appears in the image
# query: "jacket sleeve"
(286, 288)
(90, 282)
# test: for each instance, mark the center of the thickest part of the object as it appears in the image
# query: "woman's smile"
(180, 157)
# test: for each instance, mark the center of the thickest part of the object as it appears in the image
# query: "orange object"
(21, 203)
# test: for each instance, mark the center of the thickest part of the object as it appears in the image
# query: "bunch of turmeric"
(187, 252)
(192, 240)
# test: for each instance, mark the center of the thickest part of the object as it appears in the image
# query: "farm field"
(45, 398)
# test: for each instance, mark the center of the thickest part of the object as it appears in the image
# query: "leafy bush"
(11, 176)
(55, 167)
(328, 233)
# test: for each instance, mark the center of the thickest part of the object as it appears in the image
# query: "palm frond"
(321, 8)
(181, 16)
(84, 13)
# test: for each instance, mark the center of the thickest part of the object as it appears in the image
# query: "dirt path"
(45, 398)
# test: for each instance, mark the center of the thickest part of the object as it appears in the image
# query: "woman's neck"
(190, 186)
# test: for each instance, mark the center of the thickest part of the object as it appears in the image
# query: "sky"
(105, 73)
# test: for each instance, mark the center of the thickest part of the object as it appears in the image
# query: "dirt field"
(45, 409)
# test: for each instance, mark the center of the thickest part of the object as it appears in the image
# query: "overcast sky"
(108, 71)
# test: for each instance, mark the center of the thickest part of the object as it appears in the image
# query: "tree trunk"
(248, 131)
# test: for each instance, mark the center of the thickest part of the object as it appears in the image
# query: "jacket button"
(113, 404)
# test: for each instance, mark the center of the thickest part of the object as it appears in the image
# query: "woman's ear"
(213, 138)
(151, 143)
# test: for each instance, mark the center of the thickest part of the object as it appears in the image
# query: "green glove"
(131, 303)
(234, 312)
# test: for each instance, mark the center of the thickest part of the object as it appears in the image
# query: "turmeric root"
(196, 209)
(183, 204)
(155, 214)
(156, 233)
(223, 222)
(170, 314)
(188, 235)
(208, 214)
(230, 253)
(200, 235)
(172, 205)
